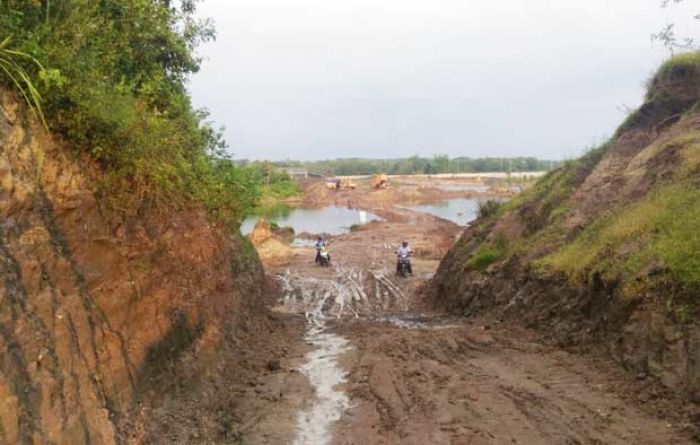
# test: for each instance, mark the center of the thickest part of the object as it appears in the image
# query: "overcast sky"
(317, 79)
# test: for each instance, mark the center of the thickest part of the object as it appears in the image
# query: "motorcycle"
(404, 265)
(324, 258)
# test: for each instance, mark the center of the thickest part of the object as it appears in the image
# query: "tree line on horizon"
(419, 165)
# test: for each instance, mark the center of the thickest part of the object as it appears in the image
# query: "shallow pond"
(332, 220)
(459, 210)
(464, 187)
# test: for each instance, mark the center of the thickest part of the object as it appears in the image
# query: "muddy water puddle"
(417, 321)
(331, 220)
(479, 188)
(325, 375)
(459, 210)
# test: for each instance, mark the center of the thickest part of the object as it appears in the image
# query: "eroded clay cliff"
(100, 313)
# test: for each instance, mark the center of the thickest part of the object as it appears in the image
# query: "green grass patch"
(484, 257)
(282, 189)
(690, 153)
(489, 252)
(662, 228)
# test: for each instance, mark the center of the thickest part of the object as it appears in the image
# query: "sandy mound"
(274, 253)
(261, 233)
(271, 250)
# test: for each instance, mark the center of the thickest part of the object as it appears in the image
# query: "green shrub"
(114, 87)
(12, 71)
(489, 252)
(488, 208)
(484, 257)
(282, 189)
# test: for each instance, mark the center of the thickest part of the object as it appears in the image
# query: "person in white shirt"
(404, 252)
(320, 245)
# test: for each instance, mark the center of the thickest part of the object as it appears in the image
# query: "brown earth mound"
(367, 197)
(261, 233)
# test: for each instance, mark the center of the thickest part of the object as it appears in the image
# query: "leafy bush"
(282, 189)
(488, 208)
(115, 88)
(12, 70)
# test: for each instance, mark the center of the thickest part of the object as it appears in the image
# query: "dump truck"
(341, 184)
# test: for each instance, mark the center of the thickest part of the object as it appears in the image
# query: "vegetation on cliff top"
(113, 84)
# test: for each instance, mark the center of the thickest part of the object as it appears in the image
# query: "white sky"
(318, 79)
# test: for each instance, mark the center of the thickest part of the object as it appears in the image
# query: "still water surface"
(332, 220)
(459, 210)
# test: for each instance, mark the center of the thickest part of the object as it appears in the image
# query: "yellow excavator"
(378, 181)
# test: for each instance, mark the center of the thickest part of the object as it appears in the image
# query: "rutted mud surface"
(463, 384)
(384, 370)
(323, 301)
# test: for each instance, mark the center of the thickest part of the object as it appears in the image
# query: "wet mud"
(383, 368)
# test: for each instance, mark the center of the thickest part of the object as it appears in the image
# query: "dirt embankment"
(107, 322)
(315, 193)
(556, 260)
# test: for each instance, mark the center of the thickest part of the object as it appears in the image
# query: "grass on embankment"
(655, 238)
(662, 231)
(551, 194)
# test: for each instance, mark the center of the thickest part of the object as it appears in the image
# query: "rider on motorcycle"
(404, 253)
(320, 245)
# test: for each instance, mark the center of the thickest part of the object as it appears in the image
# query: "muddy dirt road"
(442, 383)
(379, 368)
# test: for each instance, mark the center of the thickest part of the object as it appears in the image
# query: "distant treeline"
(418, 165)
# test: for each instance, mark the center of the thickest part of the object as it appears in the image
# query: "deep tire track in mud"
(413, 378)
